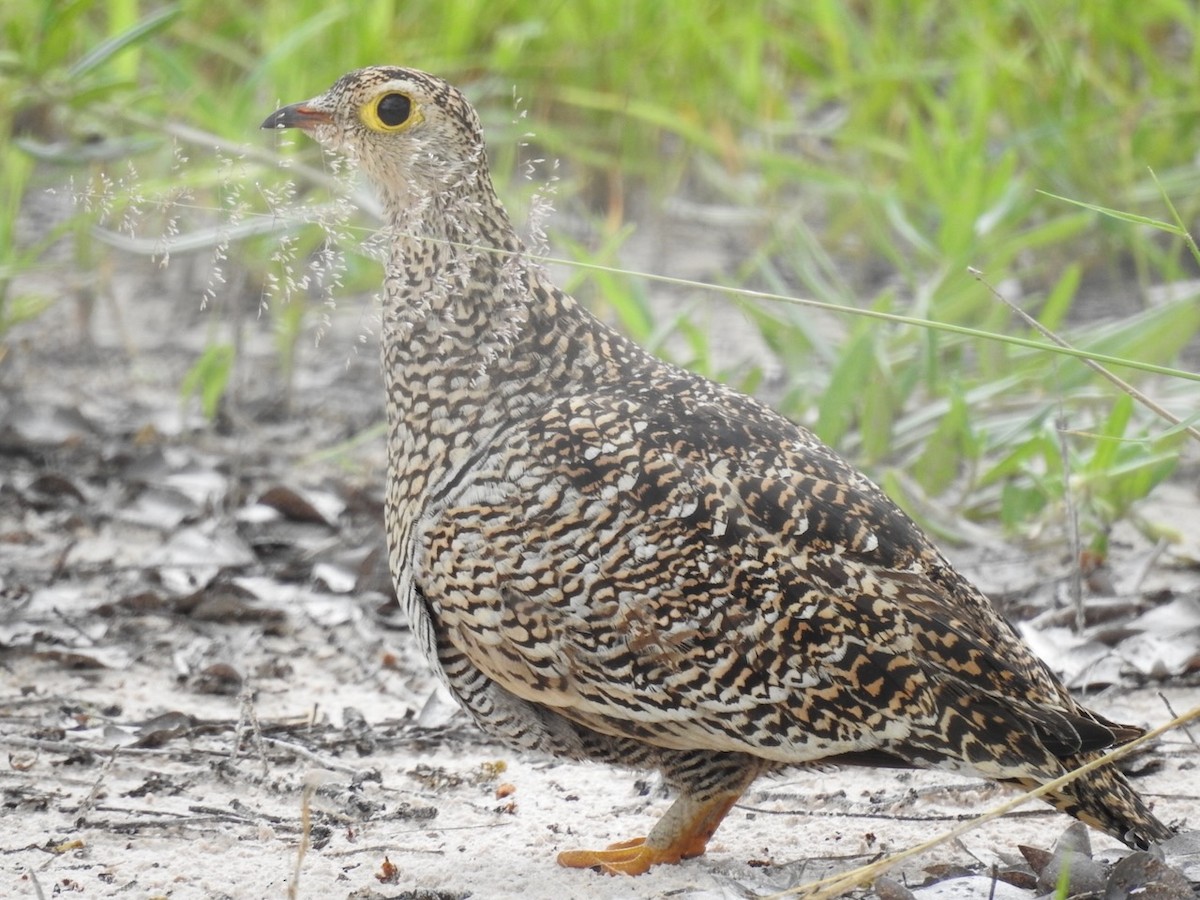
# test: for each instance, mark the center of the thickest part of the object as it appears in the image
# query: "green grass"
(884, 147)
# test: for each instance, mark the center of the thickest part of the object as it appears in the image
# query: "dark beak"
(298, 115)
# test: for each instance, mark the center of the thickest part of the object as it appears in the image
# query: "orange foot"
(624, 858)
(681, 834)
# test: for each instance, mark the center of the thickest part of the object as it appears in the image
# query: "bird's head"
(413, 135)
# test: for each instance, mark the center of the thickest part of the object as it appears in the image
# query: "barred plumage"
(607, 557)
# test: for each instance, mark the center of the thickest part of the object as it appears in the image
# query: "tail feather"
(1029, 745)
(1105, 800)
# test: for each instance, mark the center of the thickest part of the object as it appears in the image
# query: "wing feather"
(662, 581)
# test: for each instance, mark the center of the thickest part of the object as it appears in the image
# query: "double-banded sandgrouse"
(607, 557)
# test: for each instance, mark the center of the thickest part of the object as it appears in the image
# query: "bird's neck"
(475, 337)
(475, 344)
(454, 302)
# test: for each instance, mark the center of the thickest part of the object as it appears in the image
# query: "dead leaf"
(1140, 876)
(1183, 853)
(51, 484)
(219, 678)
(293, 505)
(388, 872)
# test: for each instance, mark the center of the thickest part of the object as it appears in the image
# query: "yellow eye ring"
(391, 111)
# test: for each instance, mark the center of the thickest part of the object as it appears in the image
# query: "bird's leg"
(683, 832)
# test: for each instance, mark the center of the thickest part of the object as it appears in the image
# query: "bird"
(606, 557)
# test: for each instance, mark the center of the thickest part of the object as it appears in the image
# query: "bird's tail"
(1030, 744)
(1105, 800)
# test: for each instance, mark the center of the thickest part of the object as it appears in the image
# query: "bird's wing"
(651, 571)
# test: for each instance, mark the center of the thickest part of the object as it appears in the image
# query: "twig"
(1171, 710)
(72, 746)
(181, 821)
(881, 816)
(310, 788)
(15, 702)
(247, 713)
(236, 812)
(1092, 364)
(135, 811)
(89, 802)
(70, 623)
(311, 756)
(37, 886)
(379, 848)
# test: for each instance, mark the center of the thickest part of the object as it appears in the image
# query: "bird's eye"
(392, 111)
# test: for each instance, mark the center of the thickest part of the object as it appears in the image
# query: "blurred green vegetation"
(878, 150)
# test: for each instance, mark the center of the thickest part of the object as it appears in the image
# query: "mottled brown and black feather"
(608, 557)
